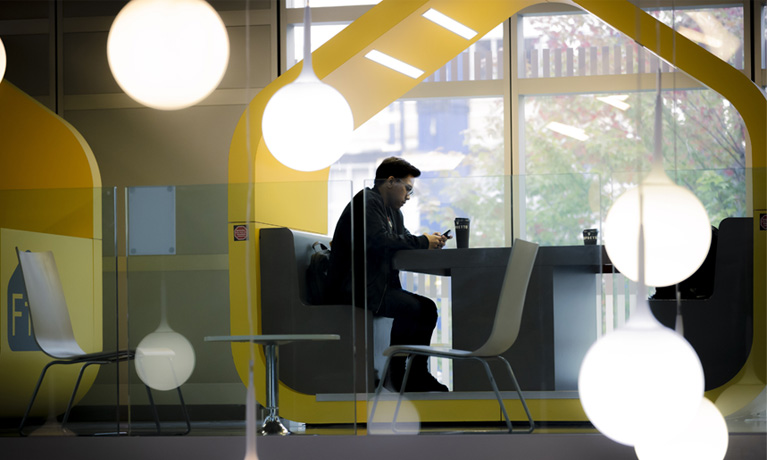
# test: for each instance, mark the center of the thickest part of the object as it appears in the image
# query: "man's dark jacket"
(385, 233)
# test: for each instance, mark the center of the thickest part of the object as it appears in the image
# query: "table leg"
(272, 423)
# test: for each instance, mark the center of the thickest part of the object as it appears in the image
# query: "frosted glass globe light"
(677, 231)
(638, 375)
(168, 54)
(164, 359)
(705, 438)
(2, 60)
(307, 124)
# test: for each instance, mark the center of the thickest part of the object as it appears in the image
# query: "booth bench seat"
(720, 328)
(311, 367)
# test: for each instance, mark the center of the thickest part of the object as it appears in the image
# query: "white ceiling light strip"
(450, 24)
(394, 64)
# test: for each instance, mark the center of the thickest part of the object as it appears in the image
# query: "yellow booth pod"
(50, 199)
(394, 27)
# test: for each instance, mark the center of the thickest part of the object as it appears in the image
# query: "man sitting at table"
(415, 316)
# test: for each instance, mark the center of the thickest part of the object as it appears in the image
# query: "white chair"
(503, 335)
(52, 329)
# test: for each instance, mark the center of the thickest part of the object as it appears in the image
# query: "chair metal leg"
(77, 385)
(157, 417)
(186, 414)
(381, 381)
(519, 393)
(497, 393)
(34, 396)
(154, 409)
(408, 365)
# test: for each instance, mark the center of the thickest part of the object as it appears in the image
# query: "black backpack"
(317, 274)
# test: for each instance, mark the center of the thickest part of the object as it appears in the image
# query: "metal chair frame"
(67, 350)
(505, 331)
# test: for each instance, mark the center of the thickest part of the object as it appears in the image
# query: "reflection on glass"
(566, 45)
(618, 147)
(482, 60)
(719, 30)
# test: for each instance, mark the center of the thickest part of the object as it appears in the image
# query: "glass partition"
(177, 292)
(185, 274)
(194, 269)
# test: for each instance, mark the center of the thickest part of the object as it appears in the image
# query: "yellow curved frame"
(396, 27)
(50, 198)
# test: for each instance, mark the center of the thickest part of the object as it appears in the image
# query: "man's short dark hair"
(397, 168)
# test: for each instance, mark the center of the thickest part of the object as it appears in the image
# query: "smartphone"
(447, 233)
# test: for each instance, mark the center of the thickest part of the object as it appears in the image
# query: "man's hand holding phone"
(438, 240)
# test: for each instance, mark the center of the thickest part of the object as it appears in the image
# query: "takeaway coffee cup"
(462, 232)
(590, 236)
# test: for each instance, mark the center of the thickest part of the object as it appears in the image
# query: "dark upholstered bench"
(314, 367)
(720, 328)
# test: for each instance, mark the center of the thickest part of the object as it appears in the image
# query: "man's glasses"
(408, 188)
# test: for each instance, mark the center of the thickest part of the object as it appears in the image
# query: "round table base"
(273, 426)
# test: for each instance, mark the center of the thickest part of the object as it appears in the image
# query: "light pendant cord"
(657, 156)
(307, 71)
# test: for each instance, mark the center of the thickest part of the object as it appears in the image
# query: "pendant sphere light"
(168, 54)
(706, 438)
(638, 374)
(164, 359)
(3, 60)
(677, 229)
(643, 371)
(307, 124)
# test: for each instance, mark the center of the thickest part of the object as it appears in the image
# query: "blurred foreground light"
(307, 124)
(639, 375)
(677, 231)
(2, 60)
(392, 416)
(168, 54)
(251, 452)
(705, 438)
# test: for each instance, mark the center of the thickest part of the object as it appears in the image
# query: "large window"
(581, 103)
(581, 146)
